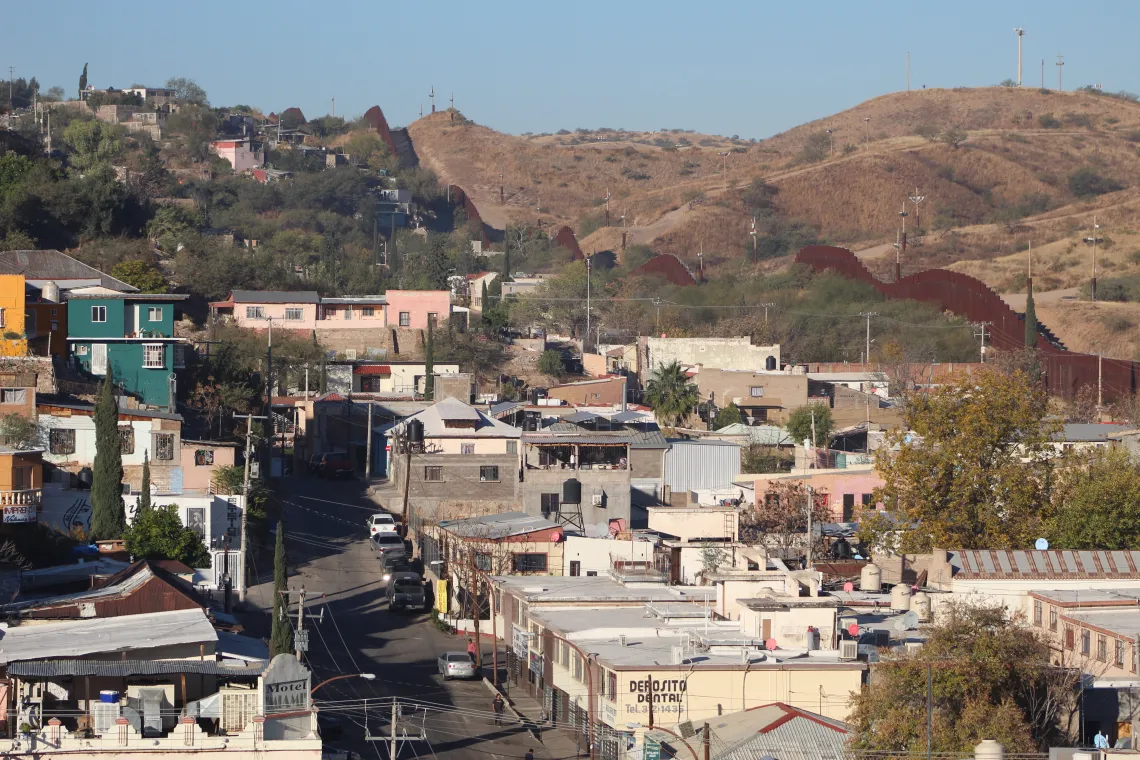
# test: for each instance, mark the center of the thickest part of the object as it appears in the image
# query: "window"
(204, 458)
(1119, 658)
(433, 474)
(433, 318)
(367, 311)
(294, 314)
(405, 319)
(611, 686)
(1068, 637)
(3, 322)
(21, 478)
(1086, 642)
(1102, 648)
(512, 447)
(154, 356)
(867, 499)
(1037, 612)
(14, 396)
(530, 563)
(348, 313)
(848, 507)
(126, 440)
(255, 312)
(466, 448)
(154, 313)
(550, 504)
(575, 568)
(1052, 618)
(55, 326)
(483, 561)
(756, 391)
(489, 473)
(61, 441)
(578, 675)
(98, 313)
(164, 447)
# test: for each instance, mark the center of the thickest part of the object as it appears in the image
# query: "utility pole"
(475, 611)
(1060, 79)
(807, 563)
(651, 700)
(917, 199)
(249, 418)
(657, 303)
(368, 445)
(867, 315)
(1042, 73)
(300, 623)
(752, 232)
(1094, 240)
(766, 307)
(929, 708)
(392, 745)
(704, 740)
(908, 72)
(1020, 33)
(333, 114)
(587, 335)
(982, 334)
(407, 475)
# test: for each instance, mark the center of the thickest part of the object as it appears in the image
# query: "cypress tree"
(83, 81)
(107, 516)
(429, 365)
(144, 497)
(1030, 319)
(281, 634)
(484, 301)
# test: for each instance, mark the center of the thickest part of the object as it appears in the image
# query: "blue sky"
(737, 67)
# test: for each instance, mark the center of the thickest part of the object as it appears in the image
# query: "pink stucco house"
(846, 491)
(306, 310)
(240, 154)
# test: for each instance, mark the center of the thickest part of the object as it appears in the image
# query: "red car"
(337, 466)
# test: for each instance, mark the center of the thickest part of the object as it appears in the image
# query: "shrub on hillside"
(929, 131)
(817, 146)
(1048, 121)
(1086, 183)
(953, 136)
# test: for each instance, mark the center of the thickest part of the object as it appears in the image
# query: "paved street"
(326, 542)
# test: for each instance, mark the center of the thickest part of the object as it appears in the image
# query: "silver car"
(456, 665)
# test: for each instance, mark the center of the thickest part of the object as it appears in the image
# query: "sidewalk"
(556, 743)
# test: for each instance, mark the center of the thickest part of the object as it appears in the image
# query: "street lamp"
(365, 676)
(1094, 240)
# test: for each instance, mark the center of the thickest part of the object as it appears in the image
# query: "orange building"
(13, 341)
(21, 484)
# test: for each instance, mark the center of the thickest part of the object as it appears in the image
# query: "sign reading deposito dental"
(667, 694)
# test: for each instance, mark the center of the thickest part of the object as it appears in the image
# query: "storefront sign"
(286, 686)
(441, 597)
(536, 664)
(652, 750)
(20, 514)
(520, 640)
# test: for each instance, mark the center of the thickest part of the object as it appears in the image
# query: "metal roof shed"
(692, 465)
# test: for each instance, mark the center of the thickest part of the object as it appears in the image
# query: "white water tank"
(920, 603)
(871, 578)
(900, 598)
(50, 292)
(989, 750)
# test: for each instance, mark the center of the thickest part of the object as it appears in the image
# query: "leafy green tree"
(144, 491)
(474, 352)
(550, 364)
(83, 81)
(670, 394)
(484, 296)
(1097, 503)
(92, 143)
(107, 515)
(188, 91)
(1086, 183)
(19, 432)
(729, 415)
(17, 240)
(281, 633)
(975, 469)
(799, 425)
(158, 533)
(13, 169)
(1030, 319)
(992, 679)
(429, 364)
(140, 274)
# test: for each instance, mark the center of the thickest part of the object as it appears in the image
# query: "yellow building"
(13, 341)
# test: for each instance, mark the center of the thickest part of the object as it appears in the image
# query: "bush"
(1078, 120)
(550, 363)
(1086, 183)
(1117, 322)
(1048, 121)
(929, 131)
(817, 147)
(953, 137)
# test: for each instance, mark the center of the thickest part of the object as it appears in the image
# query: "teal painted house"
(130, 335)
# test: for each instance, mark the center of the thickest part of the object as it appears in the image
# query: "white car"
(381, 522)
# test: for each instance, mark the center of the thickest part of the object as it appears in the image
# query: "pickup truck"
(406, 592)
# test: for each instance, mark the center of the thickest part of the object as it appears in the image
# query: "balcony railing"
(25, 497)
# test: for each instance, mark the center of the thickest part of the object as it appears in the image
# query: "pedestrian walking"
(497, 705)
(529, 754)
(471, 649)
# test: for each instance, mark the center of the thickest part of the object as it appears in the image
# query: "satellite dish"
(853, 630)
(770, 644)
(910, 619)
(900, 624)
(1041, 544)
(848, 586)
(556, 536)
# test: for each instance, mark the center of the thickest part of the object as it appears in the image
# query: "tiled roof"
(977, 564)
(372, 369)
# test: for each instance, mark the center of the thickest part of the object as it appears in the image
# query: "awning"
(582, 416)
(31, 669)
(372, 369)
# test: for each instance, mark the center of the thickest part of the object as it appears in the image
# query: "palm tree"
(671, 394)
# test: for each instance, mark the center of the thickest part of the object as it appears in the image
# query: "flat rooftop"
(607, 622)
(1106, 597)
(566, 588)
(1123, 622)
(657, 651)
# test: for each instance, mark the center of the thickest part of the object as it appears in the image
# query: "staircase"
(405, 151)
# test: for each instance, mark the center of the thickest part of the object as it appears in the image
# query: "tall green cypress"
(144, 496)
(429, 365)
(281, 634)
(107, 516)
(1030, 319)
(484, 301)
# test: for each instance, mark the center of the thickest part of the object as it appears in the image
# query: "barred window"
(127, 439)
(433, 474)
(164, 447)
(154, 356)
(61, 441)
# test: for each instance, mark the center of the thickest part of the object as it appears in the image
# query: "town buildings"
(306, 310)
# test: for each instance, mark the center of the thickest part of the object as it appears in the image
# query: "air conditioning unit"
(596, 499)
(350, 354)
(849, 649)
(882, 637)
(678, 655)
(913, 647)
(686, 730)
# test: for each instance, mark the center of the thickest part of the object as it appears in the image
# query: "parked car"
(406, 592)
(337, 466)
(394, 562)
(456, 665)
(381, 522)
(386, 543)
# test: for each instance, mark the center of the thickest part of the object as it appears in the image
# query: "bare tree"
(779, 520)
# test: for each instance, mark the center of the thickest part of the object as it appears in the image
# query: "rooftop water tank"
(920, 603)
(572, 491)
(989, 749)
(871, 578)
(415, 432)
(900, 598)
(50, 292)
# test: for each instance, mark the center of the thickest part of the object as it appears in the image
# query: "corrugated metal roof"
(49, 264)
(640, 436)
(692, 465)
(128, 668)
(1029, 565)
(1086, 433)
(275, 296)
(434, 417)
(782, 732)
(495, 526)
